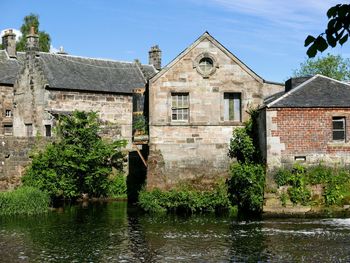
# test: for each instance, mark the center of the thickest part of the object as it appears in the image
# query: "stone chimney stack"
(9, 43)
(155, 57)
(32, 41)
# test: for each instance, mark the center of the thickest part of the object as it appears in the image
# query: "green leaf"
(309, 40)
(343, 39)
(331, 40)
(312, 51)
(321, 43)
(332, 11)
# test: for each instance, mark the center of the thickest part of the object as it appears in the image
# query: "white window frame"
(339, 119)
(180, 106)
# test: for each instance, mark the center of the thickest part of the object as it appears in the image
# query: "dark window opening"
(339, 129)
(48, 130)
(8, 113)
(8, 129)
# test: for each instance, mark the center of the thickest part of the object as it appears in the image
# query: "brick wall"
(305, 132)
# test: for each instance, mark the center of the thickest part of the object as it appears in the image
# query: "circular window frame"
(205, 74)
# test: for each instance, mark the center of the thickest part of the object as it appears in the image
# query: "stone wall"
(114, 109)
(6, 99)
(304, 132)
(14, 157)
(196, 150)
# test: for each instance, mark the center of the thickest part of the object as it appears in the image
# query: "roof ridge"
(87, 58)
(291, 91)
(335, 80)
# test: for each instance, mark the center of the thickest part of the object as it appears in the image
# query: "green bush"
(24, 200)
(282, 177)
(78, 162)
(185, 200)
(246, 187)
(336, 183)
(117, 186)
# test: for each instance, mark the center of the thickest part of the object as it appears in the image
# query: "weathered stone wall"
(6, 103)
(14, 157)
(197, 149)
(30, 97)
(304, 132)
(115, 109)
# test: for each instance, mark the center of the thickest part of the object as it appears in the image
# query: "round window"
(206, 65)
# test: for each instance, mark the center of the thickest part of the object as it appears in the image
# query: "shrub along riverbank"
(295, 184)
(186, 199)
(24, 200)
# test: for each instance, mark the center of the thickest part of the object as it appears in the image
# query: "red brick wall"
(309, 130)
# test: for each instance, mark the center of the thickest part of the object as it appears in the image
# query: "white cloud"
(53, 49)
(295, 15)
(17, 32)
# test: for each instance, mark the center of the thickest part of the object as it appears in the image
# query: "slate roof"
(9, 68)
(81, 73)
(317, 92)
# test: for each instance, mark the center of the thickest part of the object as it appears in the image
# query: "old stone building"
(195, 102)
(307, 123)
(36, 87)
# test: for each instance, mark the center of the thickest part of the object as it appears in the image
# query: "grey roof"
(80, 73)
(9, 68)
(317, 92)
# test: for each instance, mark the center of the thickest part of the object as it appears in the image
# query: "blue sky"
(267, 35)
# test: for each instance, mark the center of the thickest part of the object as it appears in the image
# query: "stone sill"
(339, 144)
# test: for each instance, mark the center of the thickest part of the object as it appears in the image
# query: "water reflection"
(113, 232)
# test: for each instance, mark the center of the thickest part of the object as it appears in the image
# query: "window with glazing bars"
(339, 129)
(179, 107)
(232, 107)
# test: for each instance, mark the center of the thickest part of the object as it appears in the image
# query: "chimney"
(32, 41)
(9, 43)
(155, 57)
(294, 82)
(62, 51)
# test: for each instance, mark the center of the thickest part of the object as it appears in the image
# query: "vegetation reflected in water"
(112, 232)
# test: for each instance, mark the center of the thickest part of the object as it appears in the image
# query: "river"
(112, 232)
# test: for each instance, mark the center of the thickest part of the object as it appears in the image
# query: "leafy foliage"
(185, 200)
(332, 66)
(78, 162)
(140, 124)
(24, 200)
(246, 186)
(337, 30)
(244, 142)
(117, 187)
(32, 20)
(336, 183)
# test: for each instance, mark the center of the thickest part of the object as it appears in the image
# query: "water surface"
(110, 232)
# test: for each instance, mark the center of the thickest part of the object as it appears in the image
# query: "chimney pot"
(9, 43)
(32, 41)
(155, 57)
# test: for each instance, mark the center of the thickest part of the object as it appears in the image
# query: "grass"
(24, 200)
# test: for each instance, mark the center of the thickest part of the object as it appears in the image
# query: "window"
(29, 130)
(48, 130)
(179, 106)
(8, 129)
(206, 65)
(232, 107)
(339, 129)
(8, 113)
